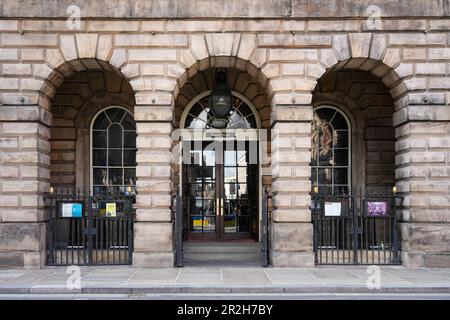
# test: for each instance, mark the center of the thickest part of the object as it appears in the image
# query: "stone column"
(24, 178)
(153, 238)
(291, 231)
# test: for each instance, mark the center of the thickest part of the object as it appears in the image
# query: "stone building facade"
(386, 65)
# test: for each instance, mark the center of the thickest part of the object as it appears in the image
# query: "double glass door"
(221, 189)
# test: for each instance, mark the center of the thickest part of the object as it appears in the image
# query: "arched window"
(113, 156)
(330, 152)
(198, 114)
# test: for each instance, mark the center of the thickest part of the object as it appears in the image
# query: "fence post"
(51, 234)
(314, 218)
(265, 231)
(179, 231)
(89, 230)
(355, 225)
(395, 239)
(129, 200)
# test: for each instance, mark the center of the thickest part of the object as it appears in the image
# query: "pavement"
(196, 282)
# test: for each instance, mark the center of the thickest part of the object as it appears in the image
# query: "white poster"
(332, 209)
(67, 210)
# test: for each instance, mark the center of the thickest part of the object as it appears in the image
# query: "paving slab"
(244, 276)
(225, 280)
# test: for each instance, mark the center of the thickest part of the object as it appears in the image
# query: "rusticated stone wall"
(409, 54)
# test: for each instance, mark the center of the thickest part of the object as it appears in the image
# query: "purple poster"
(377, 208)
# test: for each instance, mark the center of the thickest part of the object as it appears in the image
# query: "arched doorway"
(353, 170)
(220, 171)
(92, 167)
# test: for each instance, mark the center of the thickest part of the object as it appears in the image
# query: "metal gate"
(356, 229)
(89, 230)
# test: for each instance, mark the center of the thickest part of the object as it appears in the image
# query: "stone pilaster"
(24, 178)
(423, 162)
(153, 239)
(291, 231)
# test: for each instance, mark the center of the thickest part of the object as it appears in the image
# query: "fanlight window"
(113, 152)
(240, 115)
(330, 154)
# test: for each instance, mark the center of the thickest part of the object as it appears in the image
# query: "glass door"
(222, 190)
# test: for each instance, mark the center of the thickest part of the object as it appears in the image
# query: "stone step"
(208, 256)
(256, 263)
(229, 248)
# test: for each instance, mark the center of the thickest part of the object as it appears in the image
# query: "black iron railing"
(89, 229)
(356, 229)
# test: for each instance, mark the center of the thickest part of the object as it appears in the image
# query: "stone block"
(87, 45)
(152, 55)
(299, 99)
(293, 41)
(419, 39)
(417, 54)
(22, 236)
(54, 58)
(327, 57)
(146, 186)
(153, 215)
(68, 47)
(341, 47)
(29, 39)
(20, 69)
(360, 44)
(251, 25)
(333, 25)
(153, 237)
(11, 259)
(153, 26)
(280, 259)
(193, 26)
(153, 259)
(148, 40)
(294, 186)
(439, 53)
(439, 260)
(9, 84)
(426, 237)
(290, 215)
(291, 237)
(104, 47)
(113, 25)
(9, 54)
(292, 113)
(293, 55)
(413, 259)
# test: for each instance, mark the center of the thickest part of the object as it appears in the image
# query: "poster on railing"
(333, 209)
(72, 210)
(111, 209)
(377, 208)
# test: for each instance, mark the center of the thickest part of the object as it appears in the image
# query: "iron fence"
(356, 229)
(89, 229)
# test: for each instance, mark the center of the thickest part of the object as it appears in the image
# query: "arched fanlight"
(220, 100)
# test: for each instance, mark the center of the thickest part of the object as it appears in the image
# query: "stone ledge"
(227, 9)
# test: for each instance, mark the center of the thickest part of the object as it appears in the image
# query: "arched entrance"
(221, 171)
(354, 205)
(92, 166)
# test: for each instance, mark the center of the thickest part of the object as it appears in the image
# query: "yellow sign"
(111, 210)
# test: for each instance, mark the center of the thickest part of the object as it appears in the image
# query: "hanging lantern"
(220, 100)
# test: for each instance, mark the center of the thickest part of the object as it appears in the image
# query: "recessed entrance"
(221, 188)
